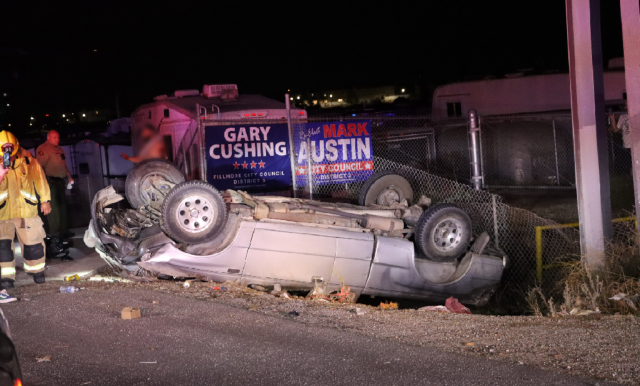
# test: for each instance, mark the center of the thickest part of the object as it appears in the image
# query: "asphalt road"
(194, 342)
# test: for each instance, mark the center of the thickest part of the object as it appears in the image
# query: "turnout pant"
(31, 236)
(58, 217)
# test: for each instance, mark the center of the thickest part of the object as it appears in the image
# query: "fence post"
(292, 147)
(476, 176)
(481, 153)
(555, 150)
(309, 171)
(495, 220)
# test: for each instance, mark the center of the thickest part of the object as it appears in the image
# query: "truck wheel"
(443, 232)
(193, 212)
(385, 188)
(141, 178)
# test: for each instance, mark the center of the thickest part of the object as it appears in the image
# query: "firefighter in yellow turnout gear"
(19, 211)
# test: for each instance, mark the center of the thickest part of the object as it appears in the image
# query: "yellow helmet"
(7, 139)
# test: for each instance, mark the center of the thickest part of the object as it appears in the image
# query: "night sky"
(48, 63)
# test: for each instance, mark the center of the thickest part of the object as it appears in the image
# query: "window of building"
(166, 113)
(454, 109)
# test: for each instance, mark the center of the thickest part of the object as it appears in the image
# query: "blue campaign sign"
(248, 157)
(340, 152)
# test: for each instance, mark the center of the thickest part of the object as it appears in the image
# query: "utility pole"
(630, 12)
(589, 131)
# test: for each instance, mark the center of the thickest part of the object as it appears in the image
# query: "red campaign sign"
(336, 168)
(339, 152)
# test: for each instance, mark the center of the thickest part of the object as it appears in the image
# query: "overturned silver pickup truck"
(384, 247)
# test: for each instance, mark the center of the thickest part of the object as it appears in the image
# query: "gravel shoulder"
(596, 346)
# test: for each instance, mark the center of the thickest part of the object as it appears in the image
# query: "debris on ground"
(388, 306)
(630, 301)
(46, 358)
(258, 288)
(130, 313)
(69, 289)
(453, 305)
(293, 313)
(360, 311)
(435, 309)
(216, 288)
(72, 278)
(530, 340)
(187, 284)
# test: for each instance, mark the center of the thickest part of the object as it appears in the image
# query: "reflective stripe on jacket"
(18, 189)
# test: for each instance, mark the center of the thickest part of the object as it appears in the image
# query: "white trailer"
(518, 93)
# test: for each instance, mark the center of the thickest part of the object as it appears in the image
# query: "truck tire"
(139, 178)
(383, 187)
(443, 233)
(193, 212)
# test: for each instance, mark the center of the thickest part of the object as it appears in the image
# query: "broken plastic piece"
(454, 306)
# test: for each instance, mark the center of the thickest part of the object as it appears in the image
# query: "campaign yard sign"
(340, 152)
(248, 157)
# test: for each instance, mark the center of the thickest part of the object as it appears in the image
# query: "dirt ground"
(596, 346)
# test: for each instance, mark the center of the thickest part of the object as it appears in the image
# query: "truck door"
(291, 255)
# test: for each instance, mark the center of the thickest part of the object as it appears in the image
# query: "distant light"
(7, 105)
(95, 50)
(4, 94)
(62, 115)
(291, 98)
(301, 113)
(298, 96)
(46, 115)
(32, 118)
(339, 100)
(353, 115)
(31, 124)
(402, 90)
(84, 115)
(96, 112)
(9, 125)
(325, 94)
(67, 119)
(311, 94)
(288, 90)
(331, 96)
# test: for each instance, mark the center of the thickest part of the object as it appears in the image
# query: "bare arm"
(135, 160)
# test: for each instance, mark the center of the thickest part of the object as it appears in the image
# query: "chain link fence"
(516, 152)
(537, 152)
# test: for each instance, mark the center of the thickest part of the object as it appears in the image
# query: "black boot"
(38, 277)
(56, 246)
(7, 283)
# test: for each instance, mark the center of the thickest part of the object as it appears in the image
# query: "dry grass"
(586, 291)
